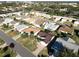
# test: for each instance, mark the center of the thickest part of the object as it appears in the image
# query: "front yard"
(43, 53)
(13, 33)
(7, 52)
(29, 42)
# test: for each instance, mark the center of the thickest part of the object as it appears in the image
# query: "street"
(18, 48)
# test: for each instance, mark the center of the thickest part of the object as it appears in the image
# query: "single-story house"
(7, 20)
(17, 13)
(65, 29)
(64, 9)
(29, 20)
(56, 48)
(38, 22)
(62, 19)
(20, 27)
(76, 23)
(13, 23)
(56, 18)
(31, 29)
(45, 37)
(37, 13)
(50, 26)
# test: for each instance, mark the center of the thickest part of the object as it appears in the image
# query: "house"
(56, 18)
(64, 9)
(45, 37)
(29, 20)
(37, 13)
(56, 48)
(20, 27)
(62, 19)
(31, 29)
(66, 29)
(38, 22)
(17, 13)
(50, 26)
(65, 19)
(76, 23)
(7, 20)
(13, 23)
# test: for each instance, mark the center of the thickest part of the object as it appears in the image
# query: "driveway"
(18, 48)
(40, 47)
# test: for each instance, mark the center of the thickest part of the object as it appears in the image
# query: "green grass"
(13, 33)
(8, 51)
(75, 38)
(29, 42)
(44, 52)
(68, 53)
(1, 41)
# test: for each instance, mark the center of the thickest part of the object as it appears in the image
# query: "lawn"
(44, 53)
(29, 42)
(7, 53)
(13, 33)
(1, 41)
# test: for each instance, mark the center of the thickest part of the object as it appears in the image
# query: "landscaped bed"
(29, 42)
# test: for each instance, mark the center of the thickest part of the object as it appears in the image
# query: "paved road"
(68, 44)
(18, 48)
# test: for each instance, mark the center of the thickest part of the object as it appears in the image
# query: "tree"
(12, 45)
(47, 31)
(5, 48)
(32, 32)
(24, 35)
(5, 26)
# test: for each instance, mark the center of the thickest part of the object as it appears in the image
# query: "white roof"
(7, 20)
(76, 22)
(51, 26)
(20, 27)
